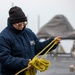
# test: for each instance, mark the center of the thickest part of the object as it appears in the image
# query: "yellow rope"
(38, 63)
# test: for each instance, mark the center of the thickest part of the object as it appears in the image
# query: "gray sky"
(46, 9)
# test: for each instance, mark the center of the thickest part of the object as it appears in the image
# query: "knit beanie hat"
(16, 15)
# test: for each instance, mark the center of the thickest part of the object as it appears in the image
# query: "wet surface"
(59, 66)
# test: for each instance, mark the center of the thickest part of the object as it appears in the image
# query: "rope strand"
(38, 63)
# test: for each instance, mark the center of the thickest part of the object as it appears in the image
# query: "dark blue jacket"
(17, 47)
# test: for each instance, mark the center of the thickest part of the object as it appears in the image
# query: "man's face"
(19, 26)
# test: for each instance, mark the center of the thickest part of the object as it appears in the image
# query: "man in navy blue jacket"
(18, 44)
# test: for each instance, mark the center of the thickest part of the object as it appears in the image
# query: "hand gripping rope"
(39, 63)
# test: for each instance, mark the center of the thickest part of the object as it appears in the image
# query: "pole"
(38, 23)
